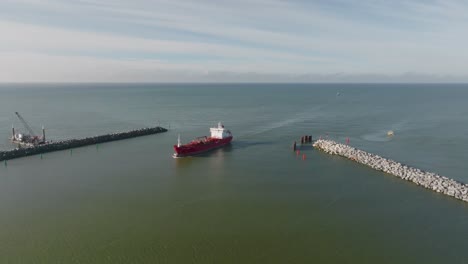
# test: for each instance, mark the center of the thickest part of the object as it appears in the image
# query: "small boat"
(220, 137)
(390, 133)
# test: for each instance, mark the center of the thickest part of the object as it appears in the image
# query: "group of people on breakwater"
(74, 143)
(429, 180)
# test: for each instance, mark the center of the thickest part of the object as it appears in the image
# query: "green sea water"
(252, 202)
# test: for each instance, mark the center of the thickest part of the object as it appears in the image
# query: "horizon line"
(251, 82)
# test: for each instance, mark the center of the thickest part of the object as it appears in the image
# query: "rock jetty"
(426, 179)
(75, 143)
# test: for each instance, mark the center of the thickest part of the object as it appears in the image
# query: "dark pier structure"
(75, 143)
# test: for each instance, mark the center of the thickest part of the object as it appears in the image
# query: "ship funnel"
(43, 134)
(178, 141)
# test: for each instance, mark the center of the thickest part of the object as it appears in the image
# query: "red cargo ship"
(219, 137)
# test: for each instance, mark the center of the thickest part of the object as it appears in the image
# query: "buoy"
(297, 152)
(347, 141)
(5, 163)
(41, 155)
(294, 146)
(71, 152)
(303, 156)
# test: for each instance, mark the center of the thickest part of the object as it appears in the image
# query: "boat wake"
(310, 114)
(382, 134)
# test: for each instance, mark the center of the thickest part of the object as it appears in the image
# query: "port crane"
(31, 139)
(25, 124)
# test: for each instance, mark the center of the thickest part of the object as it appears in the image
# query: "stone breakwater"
(426, 179)
(75, 143)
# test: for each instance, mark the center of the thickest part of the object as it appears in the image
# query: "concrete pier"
(75, 143)
(428, 180)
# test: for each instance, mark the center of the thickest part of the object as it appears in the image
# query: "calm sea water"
(252, 202)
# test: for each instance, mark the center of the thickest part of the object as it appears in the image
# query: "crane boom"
(25, 124)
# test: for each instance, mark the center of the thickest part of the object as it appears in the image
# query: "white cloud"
(54, 68)
(27, 67)
(269, 38)
(38, 38)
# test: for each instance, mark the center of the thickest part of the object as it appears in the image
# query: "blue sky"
(243, 40)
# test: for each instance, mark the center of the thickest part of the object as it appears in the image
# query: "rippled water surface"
(252, 202)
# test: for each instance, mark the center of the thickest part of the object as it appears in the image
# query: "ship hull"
(196, 149)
